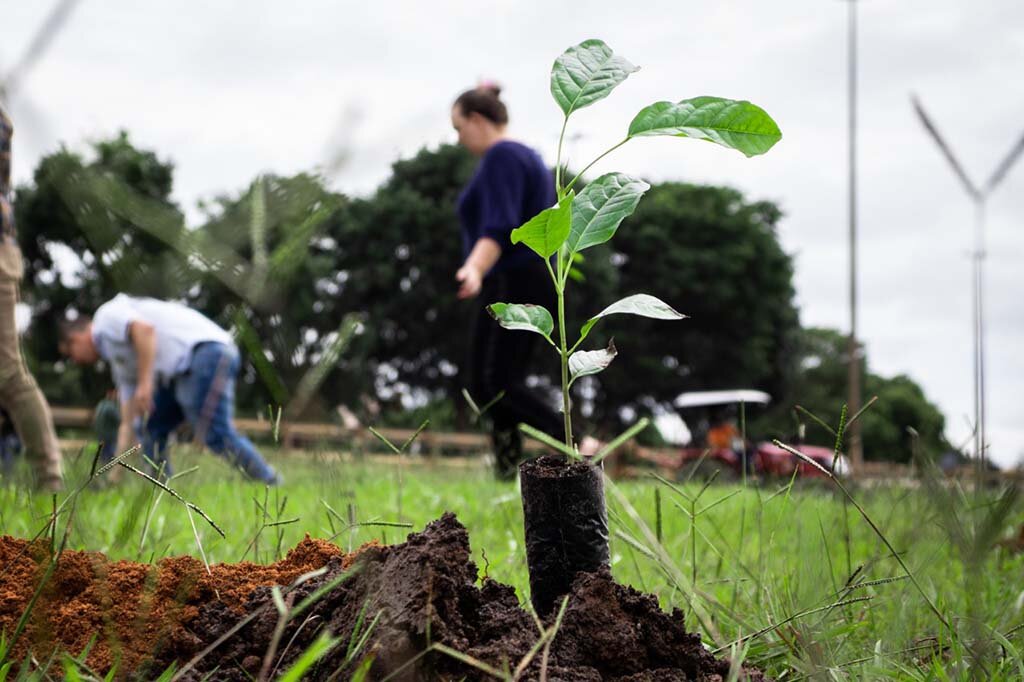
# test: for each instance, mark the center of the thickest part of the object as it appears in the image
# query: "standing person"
(510, 186)
(170, 364)
(19, 393)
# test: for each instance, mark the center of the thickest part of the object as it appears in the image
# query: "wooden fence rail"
(297, 434)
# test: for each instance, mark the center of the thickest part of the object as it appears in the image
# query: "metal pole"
(975, 300)
(979, 254)
(853, 348)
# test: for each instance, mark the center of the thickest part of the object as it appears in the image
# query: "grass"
(788, 577)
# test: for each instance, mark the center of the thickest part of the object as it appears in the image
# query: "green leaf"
(320, 647)
(643, 305)
(586, 73)
(601, 207)
(585, 362)
(71, 673)
(620, 439)
(523, 316)
(361, 672)
(545, 232)
(735, 124)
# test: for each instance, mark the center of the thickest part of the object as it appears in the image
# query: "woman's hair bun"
(485, 100)
(490, 87)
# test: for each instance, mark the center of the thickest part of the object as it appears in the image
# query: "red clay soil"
(422, 591)
(134, 610)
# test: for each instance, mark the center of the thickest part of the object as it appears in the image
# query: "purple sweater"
(510, 186)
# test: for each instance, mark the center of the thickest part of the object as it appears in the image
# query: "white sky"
(229, 89)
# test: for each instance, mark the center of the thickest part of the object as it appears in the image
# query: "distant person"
(106, 425)
(511, 185)
(19, 394)
(723, 434)
(170, 365)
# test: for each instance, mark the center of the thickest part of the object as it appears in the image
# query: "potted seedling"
(563, 496)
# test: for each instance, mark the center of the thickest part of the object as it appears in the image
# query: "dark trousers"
(500, 360)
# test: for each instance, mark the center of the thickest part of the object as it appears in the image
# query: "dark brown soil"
(549, 466)
(425, 592)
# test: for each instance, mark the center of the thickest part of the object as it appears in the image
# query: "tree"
(396, 256)
(714, 256)
(820, 388)
(82, 248)
(270, 273)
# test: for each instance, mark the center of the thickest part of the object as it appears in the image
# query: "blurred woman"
(511, 185)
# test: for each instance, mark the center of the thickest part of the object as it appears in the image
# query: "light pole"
(853, 352)
(978, 196)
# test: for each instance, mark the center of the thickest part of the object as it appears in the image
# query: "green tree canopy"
(820, 388)
(269, 273)
(80, 252)
(715, 256)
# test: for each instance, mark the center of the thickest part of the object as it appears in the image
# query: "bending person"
(510, 186)
(19, 394)
(170, 364)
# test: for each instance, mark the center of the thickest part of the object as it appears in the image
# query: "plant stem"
(564, 353)
(558, 161)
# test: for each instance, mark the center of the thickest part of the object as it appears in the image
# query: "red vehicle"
(716, 443)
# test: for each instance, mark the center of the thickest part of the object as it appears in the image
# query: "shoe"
(508, 453)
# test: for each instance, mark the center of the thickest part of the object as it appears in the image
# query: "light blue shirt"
(179, 329)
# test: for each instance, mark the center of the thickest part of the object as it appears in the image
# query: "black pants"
(500, 361)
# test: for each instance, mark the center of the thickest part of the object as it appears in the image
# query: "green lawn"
(759, 555)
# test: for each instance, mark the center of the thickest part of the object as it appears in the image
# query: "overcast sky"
(230, 89)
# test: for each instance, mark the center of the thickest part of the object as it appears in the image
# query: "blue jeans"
(205, 397)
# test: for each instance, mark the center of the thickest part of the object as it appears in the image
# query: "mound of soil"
(135, 611)
(425, 591)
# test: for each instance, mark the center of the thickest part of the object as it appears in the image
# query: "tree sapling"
(563, 497)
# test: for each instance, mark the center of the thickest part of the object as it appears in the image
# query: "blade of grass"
(175, 495)
(620, 439)
(790, 619)
(317, 650)
(816, 419)
(549, 441)
(414, 436)
(469, 660)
